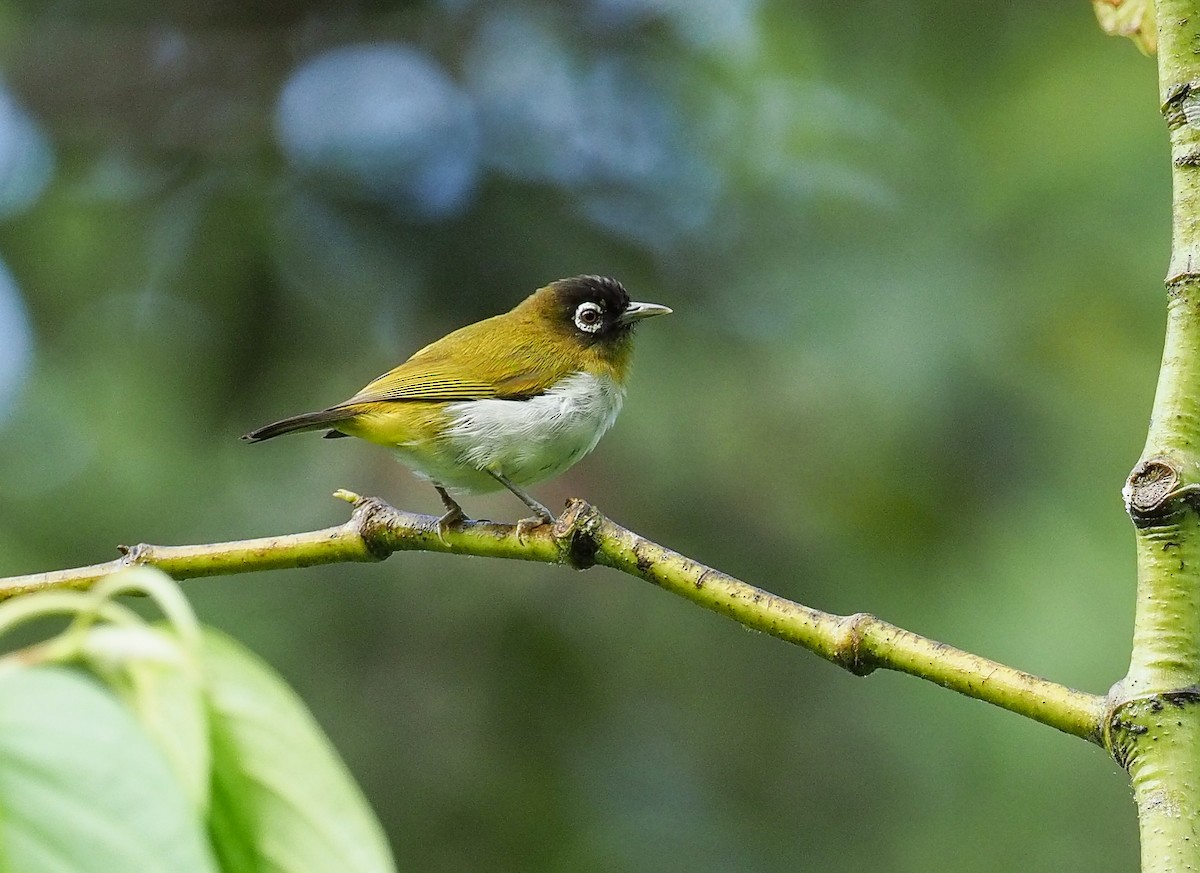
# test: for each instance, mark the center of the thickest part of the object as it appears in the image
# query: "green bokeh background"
(913, 355)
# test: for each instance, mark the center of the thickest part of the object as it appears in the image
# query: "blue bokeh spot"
(388, 123)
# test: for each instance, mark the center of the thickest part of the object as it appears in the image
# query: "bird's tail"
(307, 421)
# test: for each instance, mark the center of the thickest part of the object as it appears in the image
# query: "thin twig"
(582, 537)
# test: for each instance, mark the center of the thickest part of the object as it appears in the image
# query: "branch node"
(134, 555)
(1179, 283)
(1173, 108)
(372, 518)
(576, 533)
(1134, 717)
(1151, 490)
(848, 649)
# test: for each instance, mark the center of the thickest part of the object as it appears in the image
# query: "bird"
(506, 402)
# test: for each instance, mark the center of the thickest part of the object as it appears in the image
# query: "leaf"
(82, 788)
(152, 671)
(282, 801)
(1132, 18)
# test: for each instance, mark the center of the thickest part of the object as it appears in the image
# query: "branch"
(1154, 727)
(582, 537)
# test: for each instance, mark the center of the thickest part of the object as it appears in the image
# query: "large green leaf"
(282, 801)
(82, 787)
(150, 669)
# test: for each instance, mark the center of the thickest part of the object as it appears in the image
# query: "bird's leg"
(542, 514)
(454, 512)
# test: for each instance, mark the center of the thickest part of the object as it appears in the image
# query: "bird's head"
(592, 310)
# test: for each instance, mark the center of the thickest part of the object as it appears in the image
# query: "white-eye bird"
(505, 402)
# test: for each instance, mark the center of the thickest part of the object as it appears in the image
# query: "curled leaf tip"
(1130, 18)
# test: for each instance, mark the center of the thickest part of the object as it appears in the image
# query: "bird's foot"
(452, 518)
(525, 525)
(542, 515)
(454, 513)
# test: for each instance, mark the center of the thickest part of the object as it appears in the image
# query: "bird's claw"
(452, 517)
(525, 525)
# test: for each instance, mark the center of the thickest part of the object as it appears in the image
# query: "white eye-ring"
(589, 317)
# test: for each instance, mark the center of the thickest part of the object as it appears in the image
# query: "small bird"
(502, 403)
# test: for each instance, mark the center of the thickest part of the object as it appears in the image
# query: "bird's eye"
(589, 317)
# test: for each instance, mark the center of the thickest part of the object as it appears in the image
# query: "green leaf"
(151, 669)
(282, 800)
(82, 787)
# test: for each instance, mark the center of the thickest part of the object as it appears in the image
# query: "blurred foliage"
(914, 251)
(83, 787)
(211, 763)
(1131, 18)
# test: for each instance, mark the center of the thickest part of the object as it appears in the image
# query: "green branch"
(1154, 725)
(582, 537)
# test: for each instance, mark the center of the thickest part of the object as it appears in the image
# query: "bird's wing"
(449, 371)
(405, 383)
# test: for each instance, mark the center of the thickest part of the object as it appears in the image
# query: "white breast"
(531, 440)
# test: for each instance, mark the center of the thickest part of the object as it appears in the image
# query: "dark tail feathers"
(308, 421)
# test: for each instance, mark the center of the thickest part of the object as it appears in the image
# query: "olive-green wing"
(427, 385)
(466, 366)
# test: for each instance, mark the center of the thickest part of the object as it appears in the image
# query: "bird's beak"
(637, 311)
